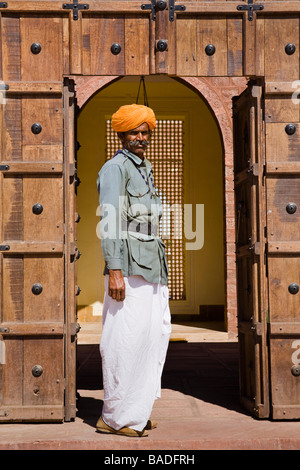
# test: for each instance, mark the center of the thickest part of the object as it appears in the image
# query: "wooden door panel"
(11, 51)
(194, 34)
(20, 274)
(137, 55)
(46, 111)
(251, 267)
(11, 132)
(245, 289)
(36, 327)
(19, 142)
(99, 33)
(49, 273)
(283, 273)
(285, 365)
(48, 32)
(248, 373)
(21, 195)
(283, 209)
(280, 108)
(280, 146)
(235, 46)
(12, 307)
(283, 223)
(243, 204)
(212, 31)
(12, 374)
(47, 225)
(20, 33)
(11, 208)
(130, 32)
(48, 388)
(279, 32)
(186, 47)
(24, 395)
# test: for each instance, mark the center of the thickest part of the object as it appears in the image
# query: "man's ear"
(121, 135)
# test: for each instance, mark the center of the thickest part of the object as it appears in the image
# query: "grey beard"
(135, 143)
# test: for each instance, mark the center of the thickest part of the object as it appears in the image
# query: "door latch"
(162, 5)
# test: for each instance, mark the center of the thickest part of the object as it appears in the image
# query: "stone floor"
(193, 332)
(199, 408)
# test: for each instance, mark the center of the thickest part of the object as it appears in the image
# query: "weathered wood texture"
(37, 328)
(242, 47)
(282, 183)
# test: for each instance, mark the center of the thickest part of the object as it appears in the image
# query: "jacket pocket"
(139, 201)
(143, 250)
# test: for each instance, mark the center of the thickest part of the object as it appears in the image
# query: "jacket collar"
(136, 160)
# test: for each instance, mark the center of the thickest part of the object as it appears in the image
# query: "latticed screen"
(166, 154)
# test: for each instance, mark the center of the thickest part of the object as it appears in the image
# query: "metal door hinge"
(150, 6)
(75, 6)
(251, 8)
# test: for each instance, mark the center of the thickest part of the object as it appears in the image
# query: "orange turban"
(130, 116)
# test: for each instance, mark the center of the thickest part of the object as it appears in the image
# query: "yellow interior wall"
(203, 185)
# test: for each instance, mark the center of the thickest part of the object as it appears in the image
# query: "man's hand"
(116, 285)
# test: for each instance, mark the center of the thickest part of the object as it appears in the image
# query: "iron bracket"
(150, 6)
(173, 8)
(153, 6)
(75, 6)
(251, 7)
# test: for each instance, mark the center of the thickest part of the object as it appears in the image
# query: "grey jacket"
(130, 212)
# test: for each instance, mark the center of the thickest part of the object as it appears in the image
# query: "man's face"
(136, 140)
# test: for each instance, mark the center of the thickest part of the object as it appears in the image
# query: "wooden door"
(251, 257)
(37, 224)
(283, 202)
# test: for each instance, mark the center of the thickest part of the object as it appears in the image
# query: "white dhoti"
(133, 347)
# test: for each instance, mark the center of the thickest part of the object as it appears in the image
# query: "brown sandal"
(101, 426)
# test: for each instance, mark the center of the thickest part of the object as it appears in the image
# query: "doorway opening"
(187, 155)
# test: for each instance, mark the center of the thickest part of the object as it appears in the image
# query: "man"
(136, 315)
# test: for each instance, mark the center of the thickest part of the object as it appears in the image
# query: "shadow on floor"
(205, 371)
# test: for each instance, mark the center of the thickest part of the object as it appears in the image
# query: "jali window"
(166, 153)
